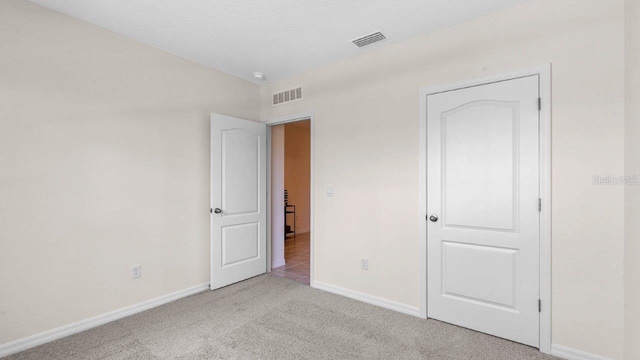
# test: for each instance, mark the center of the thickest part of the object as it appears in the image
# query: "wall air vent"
(287, 96)
(369, 39)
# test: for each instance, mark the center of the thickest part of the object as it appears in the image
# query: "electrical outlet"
(137, 271)
(364, 263)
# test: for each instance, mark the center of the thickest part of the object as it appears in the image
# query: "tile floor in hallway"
(297, 257)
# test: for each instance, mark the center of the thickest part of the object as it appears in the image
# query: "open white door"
(482, 196)
(238, 200)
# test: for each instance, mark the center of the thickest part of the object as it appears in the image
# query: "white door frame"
(279, 121)
(544, 73)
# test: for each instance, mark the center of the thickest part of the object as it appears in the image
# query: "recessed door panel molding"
(240, 243)
(240, 180)
(477, 135)
(238, 200)
(483, 186)
(468, 272)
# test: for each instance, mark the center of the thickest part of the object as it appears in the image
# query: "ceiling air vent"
(369, 39)
(287, 96)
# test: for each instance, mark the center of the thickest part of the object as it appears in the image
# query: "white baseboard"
(82, 325)
(370, 299)
(278, 263)
(574, 354)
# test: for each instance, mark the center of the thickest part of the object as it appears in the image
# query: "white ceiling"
(276, 37)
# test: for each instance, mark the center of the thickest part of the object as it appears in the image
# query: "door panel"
(238, 189)
(240, 172)
(483, 183)
(475, 136)
(466, 276)
(240, 243)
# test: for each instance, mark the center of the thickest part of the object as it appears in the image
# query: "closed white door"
(482, 200)
(238, 200)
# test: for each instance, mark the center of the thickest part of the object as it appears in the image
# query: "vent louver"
(369, 39)
(287, 96)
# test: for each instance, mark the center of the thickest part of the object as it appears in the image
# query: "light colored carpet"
(274, 318)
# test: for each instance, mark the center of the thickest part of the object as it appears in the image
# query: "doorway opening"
(291, 200)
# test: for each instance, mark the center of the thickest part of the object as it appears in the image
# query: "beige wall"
(297, 170)
(104, 164)
(366, 146)
(632, 193)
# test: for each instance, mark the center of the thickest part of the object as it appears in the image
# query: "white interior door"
(238, 200)
(482, 199)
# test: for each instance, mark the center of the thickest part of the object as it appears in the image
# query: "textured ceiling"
(276, 37)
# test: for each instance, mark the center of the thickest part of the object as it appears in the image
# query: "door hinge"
(539, 305)
(539, 205)
(211, 210)
(539, 104)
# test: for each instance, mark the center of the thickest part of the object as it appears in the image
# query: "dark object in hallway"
(289, 209)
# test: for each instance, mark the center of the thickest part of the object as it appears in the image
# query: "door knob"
(217, 210)
(433, 218)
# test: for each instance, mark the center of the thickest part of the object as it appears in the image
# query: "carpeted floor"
(275, 318)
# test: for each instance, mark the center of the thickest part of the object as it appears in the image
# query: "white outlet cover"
(364, 263)
(136, 271)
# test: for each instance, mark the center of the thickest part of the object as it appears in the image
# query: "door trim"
(544, 73)
(279, 121)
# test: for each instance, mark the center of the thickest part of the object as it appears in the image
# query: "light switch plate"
(329, 191)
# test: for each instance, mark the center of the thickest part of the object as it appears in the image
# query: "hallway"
(297, 256)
